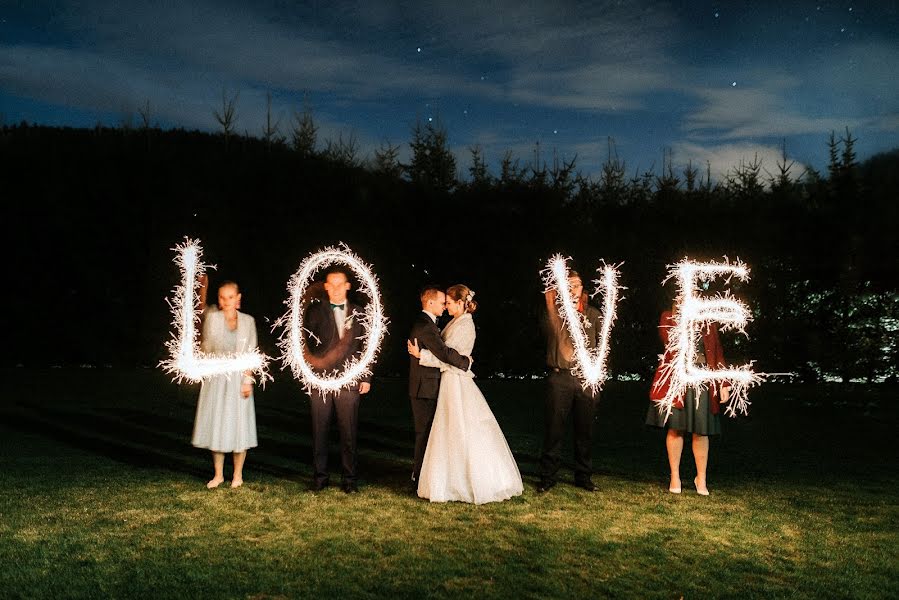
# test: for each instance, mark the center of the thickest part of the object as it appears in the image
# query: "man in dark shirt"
(565, 392)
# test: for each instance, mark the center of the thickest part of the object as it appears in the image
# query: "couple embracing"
(460, 451)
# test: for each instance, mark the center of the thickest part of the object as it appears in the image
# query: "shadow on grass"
(141, 419)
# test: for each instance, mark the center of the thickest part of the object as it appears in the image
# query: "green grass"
(101, 495)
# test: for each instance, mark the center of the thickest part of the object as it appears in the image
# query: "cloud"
(89, 80)
(888, 123)
(843, 87)
(755, 113)
(604, 56)
(595, 57)
(237, 44)
(722, 159)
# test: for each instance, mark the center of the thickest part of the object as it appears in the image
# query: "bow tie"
(340, 306)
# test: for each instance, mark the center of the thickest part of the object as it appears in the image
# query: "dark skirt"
(689, 418)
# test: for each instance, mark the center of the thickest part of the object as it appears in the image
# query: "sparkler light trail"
(372, 320)
(185, 360)
(590, 366)
(692, 313)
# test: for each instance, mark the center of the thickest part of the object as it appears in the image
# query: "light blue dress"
(226, 421)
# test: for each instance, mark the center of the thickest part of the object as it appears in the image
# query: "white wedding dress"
(467, 458)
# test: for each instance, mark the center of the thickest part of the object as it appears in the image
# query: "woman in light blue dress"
(226, 416)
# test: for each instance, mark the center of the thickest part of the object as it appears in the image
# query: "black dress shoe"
(350, 487)
(545, 485)
(585, 484)
(318, 486)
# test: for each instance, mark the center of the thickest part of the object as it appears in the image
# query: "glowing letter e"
(692, 314)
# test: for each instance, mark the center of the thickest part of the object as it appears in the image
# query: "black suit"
(329, 352)
(424, 382)
(565, 395)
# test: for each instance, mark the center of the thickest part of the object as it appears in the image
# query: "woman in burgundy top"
(699, 419)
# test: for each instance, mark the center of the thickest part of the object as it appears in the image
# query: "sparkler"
(372, 320)
(590, 365)
(693, 312)
(186, 361)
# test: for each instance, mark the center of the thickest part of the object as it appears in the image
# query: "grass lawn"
(101, 495)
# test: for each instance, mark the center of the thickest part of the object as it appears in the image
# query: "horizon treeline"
(95, 213)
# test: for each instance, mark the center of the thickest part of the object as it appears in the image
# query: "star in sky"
(643, 73)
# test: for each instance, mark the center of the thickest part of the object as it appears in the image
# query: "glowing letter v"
(590, 365)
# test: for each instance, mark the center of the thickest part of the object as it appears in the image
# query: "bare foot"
(236, 483)
(702, 490)
(215, 482)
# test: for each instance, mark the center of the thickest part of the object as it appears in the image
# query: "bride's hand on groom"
(413, 348)
(364, 387)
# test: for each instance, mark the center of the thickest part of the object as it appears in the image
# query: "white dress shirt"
(340, 319)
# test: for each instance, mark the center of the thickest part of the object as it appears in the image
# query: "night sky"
(709, 81)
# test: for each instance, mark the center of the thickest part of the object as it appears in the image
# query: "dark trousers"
(322, 407)
(565, 395)
(423, 410)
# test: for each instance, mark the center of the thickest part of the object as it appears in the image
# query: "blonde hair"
(230, 283)
(464, 293)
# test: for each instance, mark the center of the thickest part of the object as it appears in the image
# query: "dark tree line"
(93, 214)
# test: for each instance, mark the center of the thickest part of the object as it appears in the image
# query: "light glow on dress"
(590, 365)
(186, 361)
(694, 312)
(372, 319)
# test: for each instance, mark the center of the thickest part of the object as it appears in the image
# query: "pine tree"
(227, 118)
(270, 130)
(480, 176)
(432, 164)
(387, 160)
(305, 132)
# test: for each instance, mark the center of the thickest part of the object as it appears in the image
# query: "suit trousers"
(423, 410)
(345, 404)
(565, 395)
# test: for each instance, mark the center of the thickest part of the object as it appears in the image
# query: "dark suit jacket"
(424, 382)
(328, 351)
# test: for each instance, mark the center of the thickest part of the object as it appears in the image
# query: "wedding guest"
(226, 417)
(334, 335)
(699, 419)
(565, 392)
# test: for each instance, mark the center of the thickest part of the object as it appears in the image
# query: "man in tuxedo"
(424, 382)
(565, 394)
(333, 335)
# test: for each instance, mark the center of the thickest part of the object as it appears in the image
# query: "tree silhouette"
(270, 130)
(227, 118)
(432, 164)
(343, 151)
(387, 160)
(305, 132)
(480, 175)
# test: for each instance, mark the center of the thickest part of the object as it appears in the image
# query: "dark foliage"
(92, 215)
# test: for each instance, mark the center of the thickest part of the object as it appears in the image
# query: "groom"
(424, 382)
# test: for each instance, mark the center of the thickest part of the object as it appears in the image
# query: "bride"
(467, 457)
